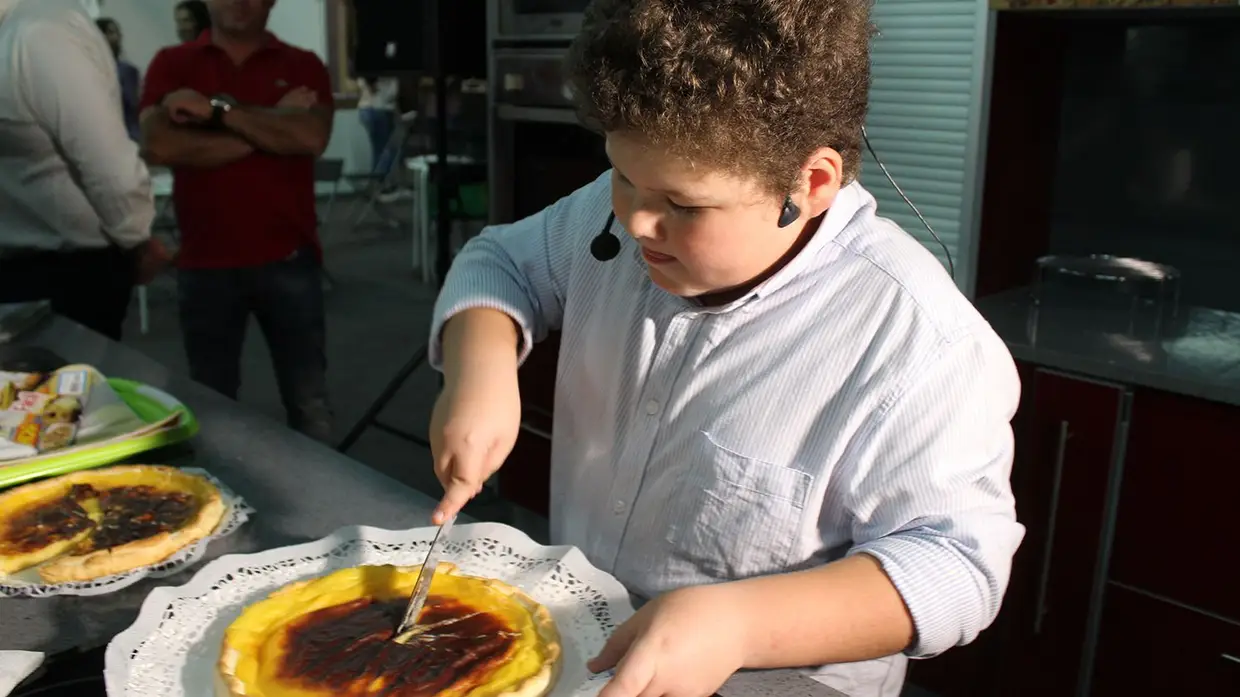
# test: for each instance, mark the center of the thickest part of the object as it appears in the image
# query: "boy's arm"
(521, 270)
(935, 527)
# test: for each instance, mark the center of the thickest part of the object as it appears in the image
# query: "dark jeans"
(287, 300)
(89, 286)
(379, 125)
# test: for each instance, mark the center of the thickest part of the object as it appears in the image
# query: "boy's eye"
(684, 210)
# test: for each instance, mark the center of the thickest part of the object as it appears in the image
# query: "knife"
(422, 587)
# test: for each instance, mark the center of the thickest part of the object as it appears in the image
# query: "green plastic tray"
(150, 404)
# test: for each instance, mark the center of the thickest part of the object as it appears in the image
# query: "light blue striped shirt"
(853, 402)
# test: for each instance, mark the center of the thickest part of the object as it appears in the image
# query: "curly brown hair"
(746, 86)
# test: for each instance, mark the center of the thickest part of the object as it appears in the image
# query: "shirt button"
(618, 507)
(652, 407)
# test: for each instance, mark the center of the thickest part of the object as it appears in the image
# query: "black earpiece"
(606, 246)
(790, 212)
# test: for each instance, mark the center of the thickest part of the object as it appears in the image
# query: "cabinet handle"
(1231, 658)
(535, 431)
(1048, 549)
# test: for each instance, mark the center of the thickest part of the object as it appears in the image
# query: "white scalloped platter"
(172, 648)
(236, 513)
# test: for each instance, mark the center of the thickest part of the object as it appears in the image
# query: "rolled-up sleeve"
(935, 506)
(69, 84)
(522, 269)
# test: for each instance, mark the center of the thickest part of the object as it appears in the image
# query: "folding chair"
(329, 170)
(394, 177)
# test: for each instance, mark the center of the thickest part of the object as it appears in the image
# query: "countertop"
(1197, 355)
(301, 490)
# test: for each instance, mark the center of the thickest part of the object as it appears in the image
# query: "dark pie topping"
(348, 647)
(130, 513)
(41, 524)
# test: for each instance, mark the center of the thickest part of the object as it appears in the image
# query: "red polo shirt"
(259, 209)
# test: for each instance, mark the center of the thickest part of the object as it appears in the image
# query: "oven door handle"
(534, 114)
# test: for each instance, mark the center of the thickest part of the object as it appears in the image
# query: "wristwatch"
(221, 104)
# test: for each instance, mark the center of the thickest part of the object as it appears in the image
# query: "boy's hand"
(473, 428)
(684, 644)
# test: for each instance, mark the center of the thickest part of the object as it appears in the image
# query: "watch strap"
(220, 106)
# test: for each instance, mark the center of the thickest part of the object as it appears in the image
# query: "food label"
(27, 433)
(72, 382)
(32, 402)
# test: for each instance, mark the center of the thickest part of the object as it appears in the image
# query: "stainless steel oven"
(539, 151)
(517, 20)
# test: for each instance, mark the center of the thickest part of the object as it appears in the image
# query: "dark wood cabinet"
(1151, 647)
(1066, 432)
(973, 670)
(1066, 453)
(1176, 534)
(525, 477)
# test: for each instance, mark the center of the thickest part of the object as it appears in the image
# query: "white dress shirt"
(70, 177)
(853, 402)
(379, 93)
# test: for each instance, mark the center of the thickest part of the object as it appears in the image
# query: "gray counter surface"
(301, 490)
(1199, 355)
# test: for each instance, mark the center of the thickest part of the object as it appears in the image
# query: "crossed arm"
(282, 130)
(247, 129)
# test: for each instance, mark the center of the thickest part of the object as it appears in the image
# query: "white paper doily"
(172, 648)
(28, 585)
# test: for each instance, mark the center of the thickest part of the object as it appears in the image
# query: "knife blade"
(422, 587)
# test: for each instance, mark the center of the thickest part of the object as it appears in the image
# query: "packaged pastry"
(30, 402)
(13, 384)
(43, 412)
(20, 428)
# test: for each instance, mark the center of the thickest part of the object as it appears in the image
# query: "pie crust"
(331, 636)
(174, 509)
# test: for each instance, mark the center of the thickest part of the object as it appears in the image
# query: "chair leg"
(331, 202)
(144, 315)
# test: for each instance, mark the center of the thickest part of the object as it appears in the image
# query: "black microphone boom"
(606, 246)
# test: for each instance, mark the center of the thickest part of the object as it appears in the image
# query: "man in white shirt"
(75, 198)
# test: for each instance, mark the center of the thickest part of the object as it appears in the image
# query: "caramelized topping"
(348, 647)
(42, 524)
(132, 513)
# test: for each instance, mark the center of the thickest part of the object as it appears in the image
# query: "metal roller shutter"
(926, 119)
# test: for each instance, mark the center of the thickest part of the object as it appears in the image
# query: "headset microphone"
(606, 246)
(790, 213)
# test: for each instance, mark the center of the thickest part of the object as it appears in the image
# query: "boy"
(776, 416)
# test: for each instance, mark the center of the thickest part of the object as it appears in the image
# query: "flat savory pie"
(95, 523)
(333, 636)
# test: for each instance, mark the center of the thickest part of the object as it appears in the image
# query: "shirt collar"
(204, 40)
(848, 202)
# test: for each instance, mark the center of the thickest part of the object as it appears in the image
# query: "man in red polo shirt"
(240, 117)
